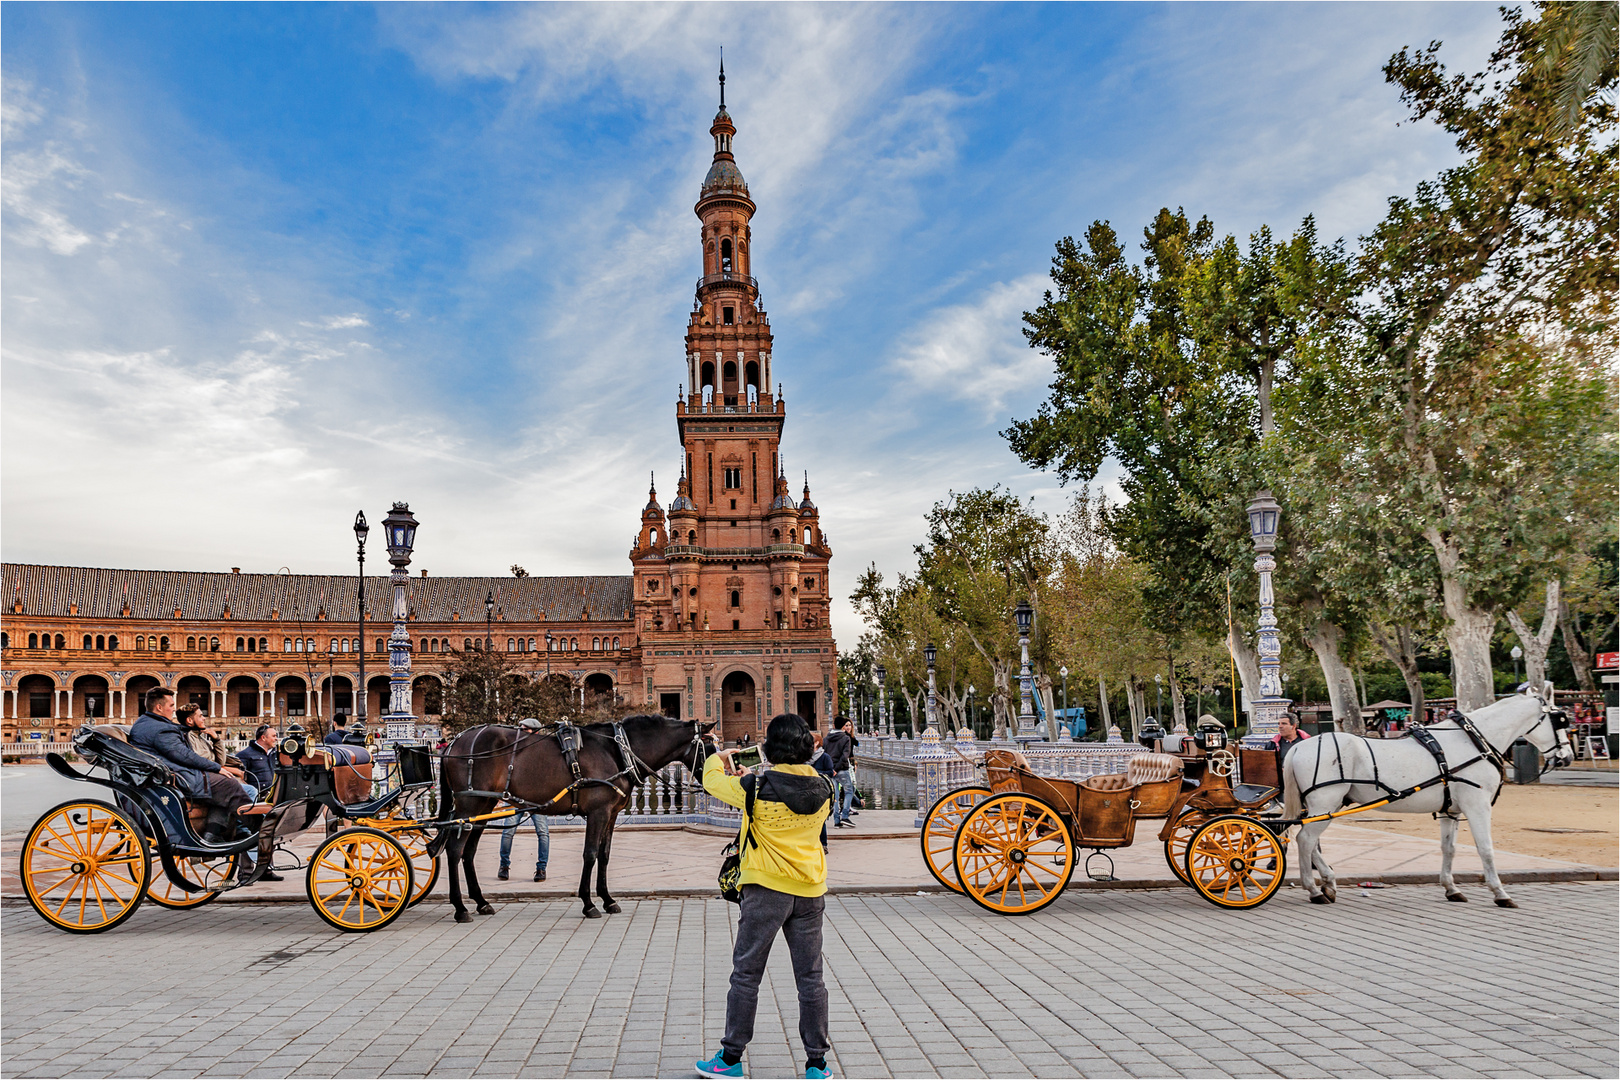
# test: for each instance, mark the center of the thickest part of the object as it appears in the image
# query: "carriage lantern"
(401, 526)
(1151, 732)
(1264, 515)
(1024, 615)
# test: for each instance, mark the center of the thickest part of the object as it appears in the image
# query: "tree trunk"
(1579, 658)
(1248, 663)
(1468, 630)
(1002, 698)
(1178, 699)
(1043, 687)
(1136, 698)
(1324, 639)
(1102, 703)
(1535, 645)
(1401, 649)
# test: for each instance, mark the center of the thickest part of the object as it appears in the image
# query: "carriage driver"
(207, 781)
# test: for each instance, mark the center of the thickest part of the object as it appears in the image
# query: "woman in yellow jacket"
(784, 885)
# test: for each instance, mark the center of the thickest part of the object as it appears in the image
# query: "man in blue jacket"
(200, 778)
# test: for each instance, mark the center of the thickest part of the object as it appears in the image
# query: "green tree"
(1474, 415)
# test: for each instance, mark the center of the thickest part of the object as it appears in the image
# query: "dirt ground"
(1522, 809)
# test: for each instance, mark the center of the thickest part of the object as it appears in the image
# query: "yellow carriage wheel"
(211, 874)
(1236, 862)
(1175, 848)
(1013, 854)
(84, 866)
(359, 880)
(939, 832)
(424, 867)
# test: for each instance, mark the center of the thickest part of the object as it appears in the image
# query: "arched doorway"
(195, 690)
(242, 697)
(427, 696)
(37, 708)
(339, 695)
(135, 688)
(739, 714)
(292, 698)
(90, 694)
(378, 692)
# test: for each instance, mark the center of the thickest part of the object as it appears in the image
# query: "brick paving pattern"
(1115, 983)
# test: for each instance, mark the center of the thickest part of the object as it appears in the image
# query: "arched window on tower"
(706, 375)
(725, 256)
(729, 376)
(736, 598)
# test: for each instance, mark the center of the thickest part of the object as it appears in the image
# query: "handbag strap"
(749, 783)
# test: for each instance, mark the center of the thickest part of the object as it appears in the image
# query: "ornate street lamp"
(930, 654)
(361, 530)
(1024, 618)
(489, 621)
(399, 527)
(548, 654)
(972, 691)
(1516, 652)
(1158, 698)
(883, 713)
(1265, 515)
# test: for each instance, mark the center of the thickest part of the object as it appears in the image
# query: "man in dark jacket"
(256, 760)
(840, 747)
(200, 778)
(336, 736)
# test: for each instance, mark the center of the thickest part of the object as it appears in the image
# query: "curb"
(1511, 877)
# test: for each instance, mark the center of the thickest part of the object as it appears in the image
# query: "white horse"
(1335, 770)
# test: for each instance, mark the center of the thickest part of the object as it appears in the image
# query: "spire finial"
(722, 76)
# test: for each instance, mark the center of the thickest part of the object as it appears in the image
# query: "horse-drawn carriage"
(1013, 842)
(87, 864)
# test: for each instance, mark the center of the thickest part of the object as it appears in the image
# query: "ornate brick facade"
(724, 617)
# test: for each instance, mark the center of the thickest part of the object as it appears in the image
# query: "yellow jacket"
(785, 852)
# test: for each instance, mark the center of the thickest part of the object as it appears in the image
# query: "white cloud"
(976, 351)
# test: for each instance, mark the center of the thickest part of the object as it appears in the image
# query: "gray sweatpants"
(764, 912)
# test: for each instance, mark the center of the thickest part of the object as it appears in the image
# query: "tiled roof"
(155, 594)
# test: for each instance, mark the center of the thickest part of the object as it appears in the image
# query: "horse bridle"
(1558, 720)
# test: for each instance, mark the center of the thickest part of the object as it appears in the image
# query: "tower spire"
(722, 76)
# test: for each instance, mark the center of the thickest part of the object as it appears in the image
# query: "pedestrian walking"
(542, 832)
(784, 885)
(840, 746)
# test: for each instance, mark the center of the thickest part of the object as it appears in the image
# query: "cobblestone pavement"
(1120, 983)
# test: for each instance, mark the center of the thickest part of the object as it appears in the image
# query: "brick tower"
(735, 585)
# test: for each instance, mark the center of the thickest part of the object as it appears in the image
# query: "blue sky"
(265, 265)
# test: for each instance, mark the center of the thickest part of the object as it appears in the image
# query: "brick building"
(724, 615)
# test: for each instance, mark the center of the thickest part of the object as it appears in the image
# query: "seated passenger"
(207, 781)
(336, 735)
(206, 742)
(256, 759)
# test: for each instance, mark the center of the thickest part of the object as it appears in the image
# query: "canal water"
(881, 789)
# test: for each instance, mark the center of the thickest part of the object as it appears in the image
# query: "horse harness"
(569, 741)
(1447, 776)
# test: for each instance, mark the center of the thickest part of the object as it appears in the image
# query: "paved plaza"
(1103, 983)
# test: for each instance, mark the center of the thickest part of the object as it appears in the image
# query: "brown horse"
(486, 763)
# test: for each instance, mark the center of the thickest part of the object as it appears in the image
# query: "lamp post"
(399, 528)
(1158, 698)
(489, 620)
(1024, 617)
(883, 713)
(1516, 652)
(1264, 516)
(548, 654)
(971, 724)
(361, 529)
(1064, 672)
(930, 654)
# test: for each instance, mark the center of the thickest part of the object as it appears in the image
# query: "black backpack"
(730, 877)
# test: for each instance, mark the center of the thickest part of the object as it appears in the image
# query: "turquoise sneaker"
(716, 1066)
(814, 1073)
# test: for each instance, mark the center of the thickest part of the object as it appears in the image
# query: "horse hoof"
(1503, 901)
(611, 907)
(486, 909)
(592, 913)
(1320, 899)
(1331, 893)
(464, 916)
(1456, 898)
